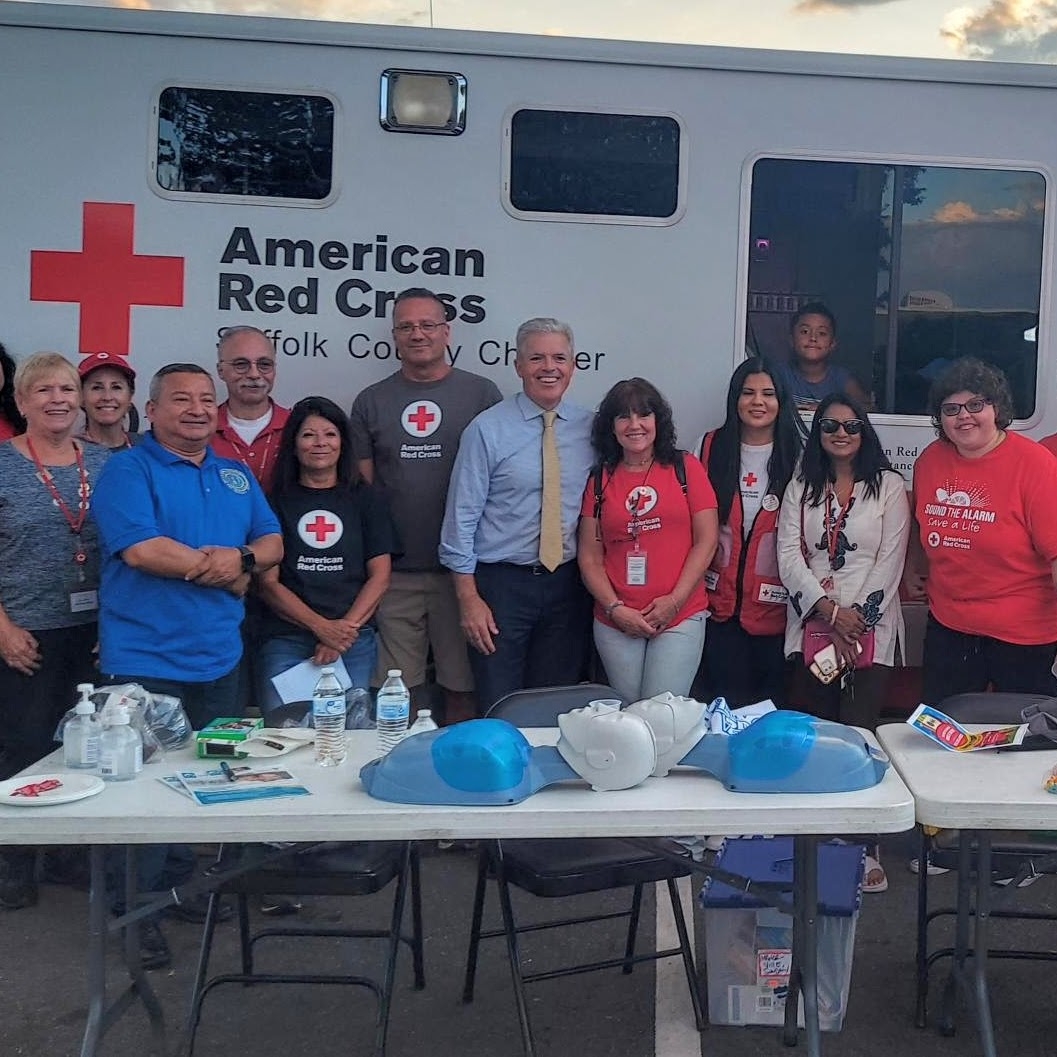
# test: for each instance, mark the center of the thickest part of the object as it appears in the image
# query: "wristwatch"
(249, 559)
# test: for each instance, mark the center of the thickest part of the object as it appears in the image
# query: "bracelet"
(613, 605)
(833, 615)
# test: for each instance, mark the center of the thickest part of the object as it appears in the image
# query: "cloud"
(1011, 30)
(960, 212)
(812, 7)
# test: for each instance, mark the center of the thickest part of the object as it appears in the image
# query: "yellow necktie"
(551, 514)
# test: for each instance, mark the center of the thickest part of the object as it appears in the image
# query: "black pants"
(957, 663)
(859, 704)
(740, 667)
(32, 705)
(544, 623)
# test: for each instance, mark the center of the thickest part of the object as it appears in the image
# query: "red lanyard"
(833, 528)
(83, 491)
(245, 451)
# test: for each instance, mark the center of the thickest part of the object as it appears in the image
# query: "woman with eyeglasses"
(985, 550)
(647, 532)
(842, 539)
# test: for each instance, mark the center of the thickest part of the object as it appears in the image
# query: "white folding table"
(976, 793)
(145, 811)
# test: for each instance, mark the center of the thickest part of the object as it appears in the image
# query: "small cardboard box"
(748, 945)
(222, 738)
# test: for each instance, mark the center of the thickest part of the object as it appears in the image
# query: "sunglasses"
(974, 407)
(853, 427)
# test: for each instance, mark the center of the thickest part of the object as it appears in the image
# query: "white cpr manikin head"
(678, 724)
(606, 747)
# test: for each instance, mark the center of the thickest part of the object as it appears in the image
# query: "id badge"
(636, 570)
(84, 601)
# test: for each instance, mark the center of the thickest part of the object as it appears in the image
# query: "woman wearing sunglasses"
(842, 538)
(985, 550)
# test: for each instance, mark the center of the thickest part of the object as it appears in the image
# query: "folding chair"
(1013, 861)
(554, 868)
(328, 869)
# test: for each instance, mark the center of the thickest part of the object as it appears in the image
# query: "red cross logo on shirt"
(421, 419)
(750, 479)
(106, 277)
(320, 530)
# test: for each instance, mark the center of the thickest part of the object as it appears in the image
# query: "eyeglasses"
(427, 327)
(853, 426)
(974, 407)
(243, 366)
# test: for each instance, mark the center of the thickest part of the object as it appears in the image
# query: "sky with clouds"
(1012, 30)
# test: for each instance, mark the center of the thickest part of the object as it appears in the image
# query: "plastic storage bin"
(748, 945)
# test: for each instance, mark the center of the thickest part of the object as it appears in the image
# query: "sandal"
(874, 877)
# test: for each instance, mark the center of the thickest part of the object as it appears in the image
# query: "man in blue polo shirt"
(181, 530)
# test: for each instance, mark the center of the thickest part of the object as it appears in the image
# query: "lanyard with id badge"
(81, 578)
(635, 569)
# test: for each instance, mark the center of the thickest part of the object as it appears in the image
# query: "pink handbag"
(818, 635)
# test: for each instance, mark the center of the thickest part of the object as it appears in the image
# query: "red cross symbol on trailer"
(750, 479)
(421, 418)
(106, 277)
(320, 529)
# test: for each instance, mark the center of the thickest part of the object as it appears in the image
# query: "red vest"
(744, 577)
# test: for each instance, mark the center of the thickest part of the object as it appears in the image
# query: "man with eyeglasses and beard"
(405, 433)
(249, 422)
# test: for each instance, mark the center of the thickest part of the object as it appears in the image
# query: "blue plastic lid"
(840, 874)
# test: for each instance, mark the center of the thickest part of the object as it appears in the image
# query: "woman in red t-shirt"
(648, 529)
(985, 549)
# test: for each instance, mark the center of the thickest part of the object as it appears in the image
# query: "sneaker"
(194, 910)
(930, 867)
(154, 950)
(279, 907)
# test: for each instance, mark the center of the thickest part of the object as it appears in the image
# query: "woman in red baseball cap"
(107, 384)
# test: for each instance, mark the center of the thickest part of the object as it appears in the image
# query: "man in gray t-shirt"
(405, 433)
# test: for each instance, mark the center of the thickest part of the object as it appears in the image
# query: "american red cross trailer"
(167, 175)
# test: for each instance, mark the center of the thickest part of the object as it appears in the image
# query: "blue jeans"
(640, 668)
(281, 652)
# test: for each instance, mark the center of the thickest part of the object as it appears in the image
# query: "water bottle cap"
(328, 671)
(86, 688)
(424, 713)
(394, 673)
(119, 714)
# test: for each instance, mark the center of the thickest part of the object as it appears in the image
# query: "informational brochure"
(945, 731)
(240, 783)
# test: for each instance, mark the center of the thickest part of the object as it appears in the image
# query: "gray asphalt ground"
(42, 978)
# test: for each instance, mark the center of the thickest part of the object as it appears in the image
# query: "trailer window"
(248, 145)
(568, 165)
(921, 265)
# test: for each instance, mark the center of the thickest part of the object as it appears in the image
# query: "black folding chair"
(558, 867)
(327, 869)
(1013, 860)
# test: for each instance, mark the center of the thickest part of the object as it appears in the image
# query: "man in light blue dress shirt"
(526, 626)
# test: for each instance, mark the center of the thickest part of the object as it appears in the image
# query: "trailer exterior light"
(423, 101)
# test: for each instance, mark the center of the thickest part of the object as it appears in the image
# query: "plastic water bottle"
(394, 708)
(120, 747)
(328, 717)
(80, 736)
(423, 721)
